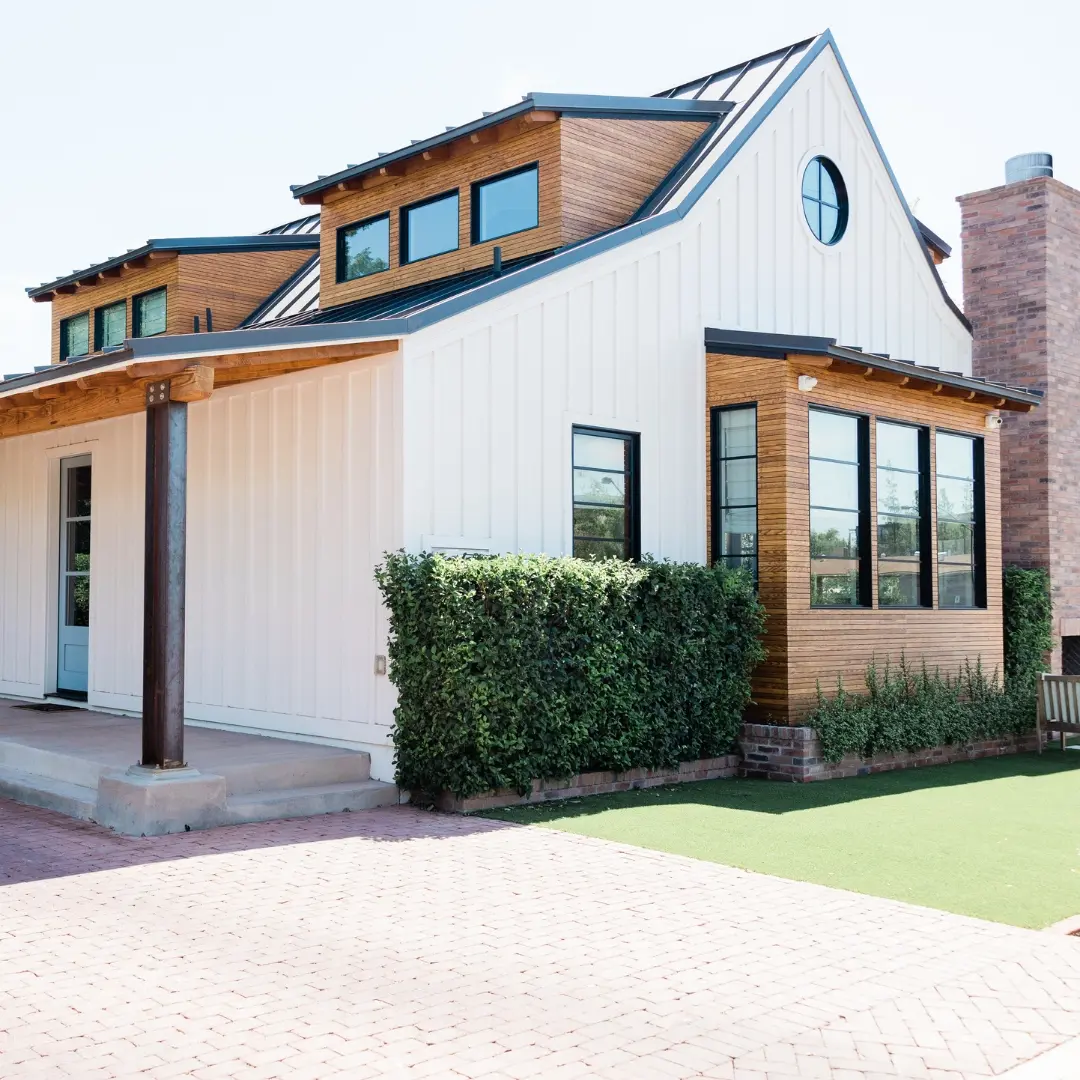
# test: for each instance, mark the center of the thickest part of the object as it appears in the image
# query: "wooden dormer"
(591, 162)
(171, 284)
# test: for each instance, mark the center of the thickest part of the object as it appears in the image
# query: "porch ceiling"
(118, 388)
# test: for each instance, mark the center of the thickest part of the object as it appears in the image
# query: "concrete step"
(300, 765)
(55, 765)
(308, 801)
(75, 800)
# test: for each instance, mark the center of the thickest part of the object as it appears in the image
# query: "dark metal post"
(163, 585)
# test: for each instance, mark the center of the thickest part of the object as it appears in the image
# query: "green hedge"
(510, 668)
(905, 709)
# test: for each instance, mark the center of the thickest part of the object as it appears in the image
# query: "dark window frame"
(841, 206)
(716, 508)
(474, 202)
(136, 316)
(927, 545)
(633, 486)
(403, 227)
(64, 354)
(978, 533)
(339, 248)
(865, 583)
(99, 322)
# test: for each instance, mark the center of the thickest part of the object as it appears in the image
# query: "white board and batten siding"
(615, 341)
(294, 493)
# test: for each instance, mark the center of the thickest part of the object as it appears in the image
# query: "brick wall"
(1021, 254)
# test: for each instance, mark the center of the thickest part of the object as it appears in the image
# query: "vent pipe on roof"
(209, 321)
(496, 260)
(1028, 166)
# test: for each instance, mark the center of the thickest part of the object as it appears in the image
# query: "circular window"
(824, 200)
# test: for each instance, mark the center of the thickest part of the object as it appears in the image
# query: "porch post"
(164, 581)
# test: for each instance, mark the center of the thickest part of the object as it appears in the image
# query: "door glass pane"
(151, 313)
(600, 549)
(898, 585)
(834, 533)
(78, 492)
(956, 588)
(738, 433)
(78, 546)
(599, 522)
(834, 582)
(897, 446)
(956, 499)
(77, 600)
(508, 205)
(738, 482)
(738, 531)
(833, 484)
(898, 537)
(955, 456)
(897, 492)
(432, 228)
(955, 540)
(834, 436)
(599, 487)
(599, 452)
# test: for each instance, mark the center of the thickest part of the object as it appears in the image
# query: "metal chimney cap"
(1028, 166)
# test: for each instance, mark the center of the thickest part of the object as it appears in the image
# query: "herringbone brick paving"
(396, 943)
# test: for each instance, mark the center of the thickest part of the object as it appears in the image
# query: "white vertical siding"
(616, 340)
(294, 493)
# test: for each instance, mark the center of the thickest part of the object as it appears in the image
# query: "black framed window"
(75, 336)
(839, 509)
(110, 325)
(903, 515)
(363, 248)
(825, 200)
(606, 486)
(507, 203)
(148, 314)
(734, 486)
(429, 228)
(960, 521)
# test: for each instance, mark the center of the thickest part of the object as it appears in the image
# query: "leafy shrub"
(510, 667)
(904, 709)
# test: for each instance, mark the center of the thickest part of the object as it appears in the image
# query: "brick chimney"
(1021, 256)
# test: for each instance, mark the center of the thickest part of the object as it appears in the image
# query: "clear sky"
(126, 120)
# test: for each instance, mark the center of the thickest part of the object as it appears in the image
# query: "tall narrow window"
(75, 336)
(903, 518)
(839, 510)
(734, 486)
(505, 204)
(110, 325)
(148, 314)
(960, 539)
(429, 228)
(606, 519)
(363, 248)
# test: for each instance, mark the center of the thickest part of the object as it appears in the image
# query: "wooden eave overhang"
(532, 111)
(825, 354)
(114, 384)
(169, 248)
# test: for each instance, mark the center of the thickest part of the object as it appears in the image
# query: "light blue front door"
(73, 645)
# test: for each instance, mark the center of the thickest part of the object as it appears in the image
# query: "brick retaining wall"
(776, 752)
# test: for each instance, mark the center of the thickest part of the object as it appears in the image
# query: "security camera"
(993, 421)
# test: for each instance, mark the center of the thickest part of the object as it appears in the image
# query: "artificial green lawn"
(999, 838)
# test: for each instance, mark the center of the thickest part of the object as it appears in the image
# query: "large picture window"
(505, 204)
(734, 486)
(903, 515)
(75, 336)
(960, 537)
(429, 228)
(839, 510)
(605, 476)
(148, 316)
(363, 248)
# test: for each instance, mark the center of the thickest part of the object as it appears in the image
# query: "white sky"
(124, 120)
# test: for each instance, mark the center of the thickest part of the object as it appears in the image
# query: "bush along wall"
(510, 668)
(907, 709)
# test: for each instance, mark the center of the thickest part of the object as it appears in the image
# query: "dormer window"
(148, 314)
(75, 336)
(505, 204)
(429, 227)
(363, 248)
(110, 325)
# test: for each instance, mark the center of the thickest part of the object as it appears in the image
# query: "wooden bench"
(1058, 707)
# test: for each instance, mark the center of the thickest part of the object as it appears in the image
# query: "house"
(701, 325)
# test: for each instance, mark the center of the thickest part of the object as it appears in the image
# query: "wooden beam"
(103, 380)
(436, 153)
(193, 384)
(156, 369)
(49, 392)
(44, 298)
(540, 116)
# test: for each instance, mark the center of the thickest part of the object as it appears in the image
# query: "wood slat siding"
(807, 645)
(231, 284)
(593, 175)
(610, 167)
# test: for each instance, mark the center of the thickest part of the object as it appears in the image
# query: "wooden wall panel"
(610, 167)
(823, 644)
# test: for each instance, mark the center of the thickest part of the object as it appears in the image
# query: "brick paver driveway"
(398, 943)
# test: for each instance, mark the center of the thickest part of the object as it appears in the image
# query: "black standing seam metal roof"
(596, 105)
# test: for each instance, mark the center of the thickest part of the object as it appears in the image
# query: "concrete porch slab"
(57, 760)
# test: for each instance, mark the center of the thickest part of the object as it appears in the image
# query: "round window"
(824, 200)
